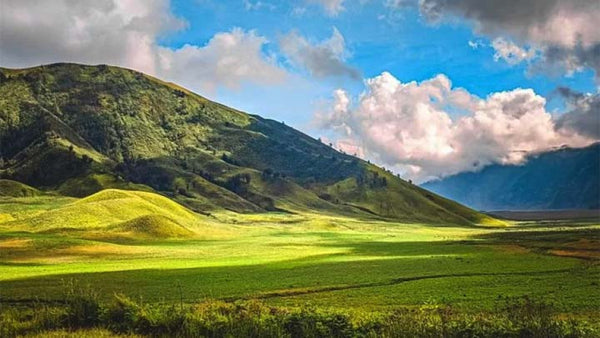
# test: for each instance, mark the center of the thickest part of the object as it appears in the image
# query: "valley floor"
(291, 260)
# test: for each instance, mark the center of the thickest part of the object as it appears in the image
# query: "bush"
(516, 318)
(82, 307)
(122, 315)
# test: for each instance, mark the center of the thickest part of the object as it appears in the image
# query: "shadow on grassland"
(365, 264)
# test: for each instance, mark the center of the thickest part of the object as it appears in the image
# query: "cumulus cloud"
(565, 31)
(409, 126)
(103, 31)
(125, 33)
(323, 59)
(331, 7)
(229, 59)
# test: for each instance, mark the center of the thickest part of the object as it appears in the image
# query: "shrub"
(121, 316)
(82, 307)
(516, 318)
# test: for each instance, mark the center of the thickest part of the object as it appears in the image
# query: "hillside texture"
(79, 129)
(561, 179)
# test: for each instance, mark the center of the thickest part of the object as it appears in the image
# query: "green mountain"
(79, 129)
(560, 179)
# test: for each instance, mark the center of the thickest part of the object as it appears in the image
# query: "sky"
(427, 88)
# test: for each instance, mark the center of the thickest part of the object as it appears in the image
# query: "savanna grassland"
(151, 252)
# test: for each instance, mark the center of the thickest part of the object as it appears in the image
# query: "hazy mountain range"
(560, 179)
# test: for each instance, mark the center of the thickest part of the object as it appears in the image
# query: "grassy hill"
(560, 179)
(80, 129)
(111, 213)
(10, 188)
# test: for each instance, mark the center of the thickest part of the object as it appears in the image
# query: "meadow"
(143, 249)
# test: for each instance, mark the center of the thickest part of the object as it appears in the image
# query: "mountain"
(561, 179)
(77, 129)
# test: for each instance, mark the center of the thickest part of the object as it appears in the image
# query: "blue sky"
(401, 42)
(517, 77)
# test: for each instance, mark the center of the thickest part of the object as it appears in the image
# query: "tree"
(267, 174)
(86, 159)
(179, 186)
(238, 183)
(229, 159)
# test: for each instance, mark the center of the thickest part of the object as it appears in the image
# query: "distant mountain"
(560, 179)
(77, 129)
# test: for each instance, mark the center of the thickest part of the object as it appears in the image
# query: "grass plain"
(146, 247)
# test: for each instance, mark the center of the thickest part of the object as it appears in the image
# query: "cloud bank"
(564, 32)
(430, 129)
(126, 33)
(584, 113)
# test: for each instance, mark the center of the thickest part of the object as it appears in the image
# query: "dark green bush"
(122, 315)
(82, 310)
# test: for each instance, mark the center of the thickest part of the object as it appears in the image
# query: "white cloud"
(555, 22)
(510, 52)
(298, 11)
(258, 5)
(103, 31)
(331, 7)
(323, 59)
(228, 59)
(475, 44)
(125, 33)
(408, 126)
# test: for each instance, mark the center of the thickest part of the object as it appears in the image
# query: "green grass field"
(151, 249)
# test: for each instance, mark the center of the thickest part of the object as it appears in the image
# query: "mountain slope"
(65, 123)
(560, 179)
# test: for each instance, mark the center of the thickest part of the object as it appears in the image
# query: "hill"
(79, 129)
(560, 179)
(114, 212)
(10, 188)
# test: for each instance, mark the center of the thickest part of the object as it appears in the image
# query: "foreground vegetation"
(82, 315)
